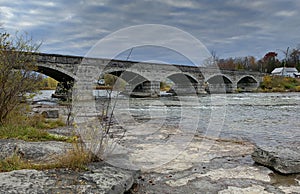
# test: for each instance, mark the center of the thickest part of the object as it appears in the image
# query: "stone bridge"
(146, 77)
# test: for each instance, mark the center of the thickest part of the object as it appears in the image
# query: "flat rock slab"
(36, 152)
(284, 158)
(100, 178)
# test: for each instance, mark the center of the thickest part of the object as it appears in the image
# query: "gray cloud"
(230, 27)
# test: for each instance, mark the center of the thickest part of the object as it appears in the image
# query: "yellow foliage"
(267, 79)
(280, 84)
(49, 83)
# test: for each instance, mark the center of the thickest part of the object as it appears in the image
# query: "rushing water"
(262, 118)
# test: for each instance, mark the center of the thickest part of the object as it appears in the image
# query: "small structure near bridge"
(286, 72)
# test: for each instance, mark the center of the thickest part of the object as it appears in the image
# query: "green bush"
(29, 128)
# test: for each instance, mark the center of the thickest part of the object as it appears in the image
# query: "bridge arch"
(59, 74)
(219, 83)
(247, 83)
(184, 83)
(180, 75)
(130, 77)
(135, 84)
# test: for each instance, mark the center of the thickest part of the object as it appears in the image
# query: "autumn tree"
(293, 58)
(270, 62)
(17, 76)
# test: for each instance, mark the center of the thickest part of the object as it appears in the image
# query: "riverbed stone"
(283, 158)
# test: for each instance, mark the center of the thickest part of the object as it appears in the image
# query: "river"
(262, 118)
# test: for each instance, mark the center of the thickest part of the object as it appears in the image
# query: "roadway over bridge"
(146, 77)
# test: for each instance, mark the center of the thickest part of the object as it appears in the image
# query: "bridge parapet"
(60, 59)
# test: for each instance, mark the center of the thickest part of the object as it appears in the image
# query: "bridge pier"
(234, 87)
(145, 89)
(200, 88)
(83, 100)
(153, 88)
(182, 89)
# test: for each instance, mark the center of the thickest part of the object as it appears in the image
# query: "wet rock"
(284, 159)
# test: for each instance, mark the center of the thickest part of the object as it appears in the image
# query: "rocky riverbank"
(227, 167)
(282, 158)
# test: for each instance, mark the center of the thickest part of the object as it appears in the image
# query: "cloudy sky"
(232, 28)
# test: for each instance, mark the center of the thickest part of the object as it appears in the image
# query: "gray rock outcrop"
(37, 152)
(284, 158)
(100, 178)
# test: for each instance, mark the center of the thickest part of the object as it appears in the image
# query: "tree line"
(266, 64)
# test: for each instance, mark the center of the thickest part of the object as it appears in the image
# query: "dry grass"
(15, 162)
(34, 128)
(76, 158)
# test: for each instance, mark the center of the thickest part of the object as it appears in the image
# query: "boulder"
(284, 158)
(51, 114)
